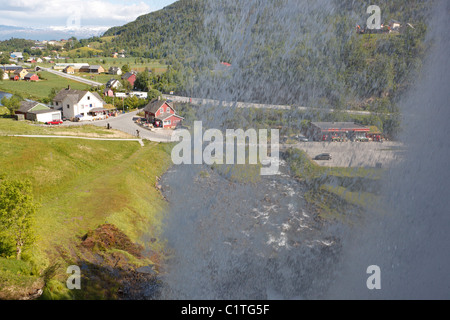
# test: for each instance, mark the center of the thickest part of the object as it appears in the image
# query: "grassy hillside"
(82, 185)
(40, 89)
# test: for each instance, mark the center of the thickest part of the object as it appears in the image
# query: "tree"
(142, 81)
(1, 74)
(12, 103)
(126, 68)
(17, 211)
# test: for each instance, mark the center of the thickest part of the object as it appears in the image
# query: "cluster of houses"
(394, 26)
(17, 73)
(78, 105)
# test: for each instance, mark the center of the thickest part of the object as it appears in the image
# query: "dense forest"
(285, 51)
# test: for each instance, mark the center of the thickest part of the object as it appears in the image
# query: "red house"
(162, 114)
(130, 77)
(31, 77)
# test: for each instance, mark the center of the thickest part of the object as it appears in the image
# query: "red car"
(54, 122)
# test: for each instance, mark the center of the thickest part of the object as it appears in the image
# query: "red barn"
(162, 114)
(31, 77)
(130, 77)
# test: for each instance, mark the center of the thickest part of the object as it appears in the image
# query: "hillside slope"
(82, 185)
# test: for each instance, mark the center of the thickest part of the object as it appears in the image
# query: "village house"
(161, 114)
(31, 77)
(35, 111)
(93, 69)
(115, 71)
(69, 70)
(19, 74)
(108, 92)
(17, 55)
(394, 25)
(130, 77)
(114, 84)
(79, 105)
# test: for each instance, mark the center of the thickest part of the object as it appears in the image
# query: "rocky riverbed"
(232, 240)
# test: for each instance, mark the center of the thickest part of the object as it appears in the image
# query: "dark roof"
(127, 75)
(339, 126)
(95, 67)
(29, 75)
(10, 68)
(154, 106)
(26, 106)
(74, 95)
(111, 82)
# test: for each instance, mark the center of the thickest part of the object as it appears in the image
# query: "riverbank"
(90, 192)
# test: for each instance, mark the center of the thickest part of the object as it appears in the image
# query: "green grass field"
(80, 186)
(41, 89)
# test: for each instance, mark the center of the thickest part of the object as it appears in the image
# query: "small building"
(394, 25)
(96, 69)
(69, 70)
(5, 76)
(130, 77)
(108, 92)
(35, 111)
(161, 114)
(115, 71)
(21, 73)
(10, 68)
(337, 131)
(17, 55)
(31, 77)
(79, 105)
(113, 84)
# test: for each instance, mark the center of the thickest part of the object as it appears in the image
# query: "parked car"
(54, 122)
(323, 156)
(302, 138)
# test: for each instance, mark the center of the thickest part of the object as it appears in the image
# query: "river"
(3, 94)
(244, 241)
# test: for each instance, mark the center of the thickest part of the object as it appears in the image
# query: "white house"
(115, 71)
(79, 105)
(113, 84)
(17, 55)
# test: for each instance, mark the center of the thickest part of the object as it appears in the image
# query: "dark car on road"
(323, 156)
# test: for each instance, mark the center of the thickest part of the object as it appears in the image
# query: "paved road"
(211, 102)
(72, 77)
(354, 154)
(125, 123)
(82, 138)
